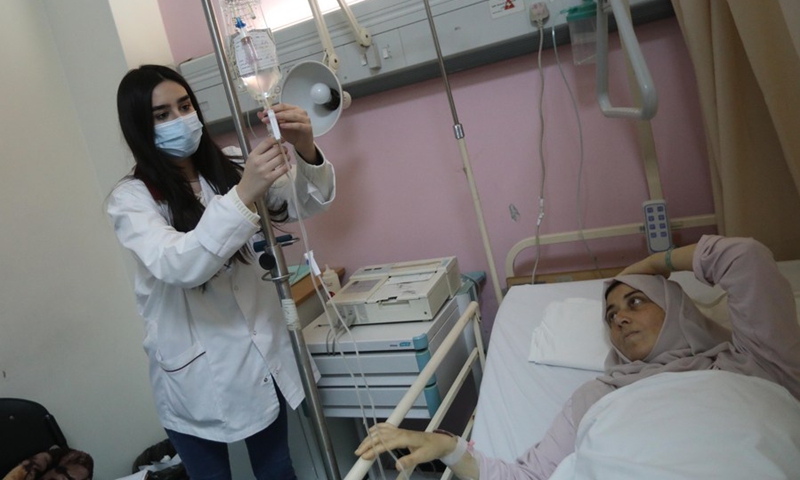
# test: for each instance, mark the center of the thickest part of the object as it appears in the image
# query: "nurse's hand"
(261, 169)
(295, 128)
(424, 446)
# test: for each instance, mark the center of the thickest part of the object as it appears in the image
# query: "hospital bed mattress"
(518, 399)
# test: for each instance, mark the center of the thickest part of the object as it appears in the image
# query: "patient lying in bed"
(656, 329)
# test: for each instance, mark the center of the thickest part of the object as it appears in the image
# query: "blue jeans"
(268, 451)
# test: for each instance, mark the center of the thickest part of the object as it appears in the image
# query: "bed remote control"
(656, 225)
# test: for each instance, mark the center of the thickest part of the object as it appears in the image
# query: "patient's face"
(633, 320)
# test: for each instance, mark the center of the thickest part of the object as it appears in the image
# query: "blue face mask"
(180, 137)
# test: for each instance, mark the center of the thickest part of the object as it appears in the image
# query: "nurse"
(221, 364)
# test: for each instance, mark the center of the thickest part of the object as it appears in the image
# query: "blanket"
(705, 424)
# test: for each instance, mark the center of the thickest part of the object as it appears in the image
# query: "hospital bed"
(519, 398)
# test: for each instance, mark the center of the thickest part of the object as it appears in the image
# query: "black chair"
(26, 428)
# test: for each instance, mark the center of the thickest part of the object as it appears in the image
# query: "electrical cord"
(314, 280)
(540, 217)
(579, 207)
(338, 327)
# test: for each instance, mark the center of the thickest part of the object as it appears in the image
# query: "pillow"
(572, 334)
(703, 424)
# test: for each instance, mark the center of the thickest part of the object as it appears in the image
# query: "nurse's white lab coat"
(215, 355)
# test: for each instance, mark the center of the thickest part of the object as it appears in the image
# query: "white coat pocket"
(188, 386)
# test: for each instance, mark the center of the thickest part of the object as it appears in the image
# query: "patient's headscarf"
(687, 341)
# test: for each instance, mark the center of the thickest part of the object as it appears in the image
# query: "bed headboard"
(574, 276)
(595, 233)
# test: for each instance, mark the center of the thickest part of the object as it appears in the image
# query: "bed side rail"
(476, 355)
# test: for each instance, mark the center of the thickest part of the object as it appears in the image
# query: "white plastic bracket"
(644, 81)
(363, 37)
(330, 59)
(362, 34)
(273, 123)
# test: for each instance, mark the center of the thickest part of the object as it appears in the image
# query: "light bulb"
(320, 93)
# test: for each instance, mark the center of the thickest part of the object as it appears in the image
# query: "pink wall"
(186, 28)
(402, 193)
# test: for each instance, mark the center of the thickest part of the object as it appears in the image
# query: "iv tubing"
(541, 153)
(361, 466)
(290, 311)
(325, 301)
(578, 203)
(459, 132)
(280, 272)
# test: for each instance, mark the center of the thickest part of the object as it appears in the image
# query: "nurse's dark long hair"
(163, 177)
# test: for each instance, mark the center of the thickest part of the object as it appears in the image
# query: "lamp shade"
(314, 87)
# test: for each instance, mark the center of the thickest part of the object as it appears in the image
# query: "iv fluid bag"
(257, 64)
(251, 50)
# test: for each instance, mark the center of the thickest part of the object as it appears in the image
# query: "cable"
(249, 126)
(342, 325)
(580, 165)
(541, 152)
(252, 58)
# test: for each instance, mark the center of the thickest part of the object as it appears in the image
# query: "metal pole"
(280, 273)
(462, 145)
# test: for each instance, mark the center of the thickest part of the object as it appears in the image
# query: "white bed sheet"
(711, 424)
(518, 399)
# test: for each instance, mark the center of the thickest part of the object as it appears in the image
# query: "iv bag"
(251, 53)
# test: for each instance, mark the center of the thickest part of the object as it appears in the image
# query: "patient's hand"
(424, 446)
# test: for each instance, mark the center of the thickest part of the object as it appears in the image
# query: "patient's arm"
(760, 302)
(656, 264)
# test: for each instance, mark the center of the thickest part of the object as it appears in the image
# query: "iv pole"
(279, 272)
(459, 133)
